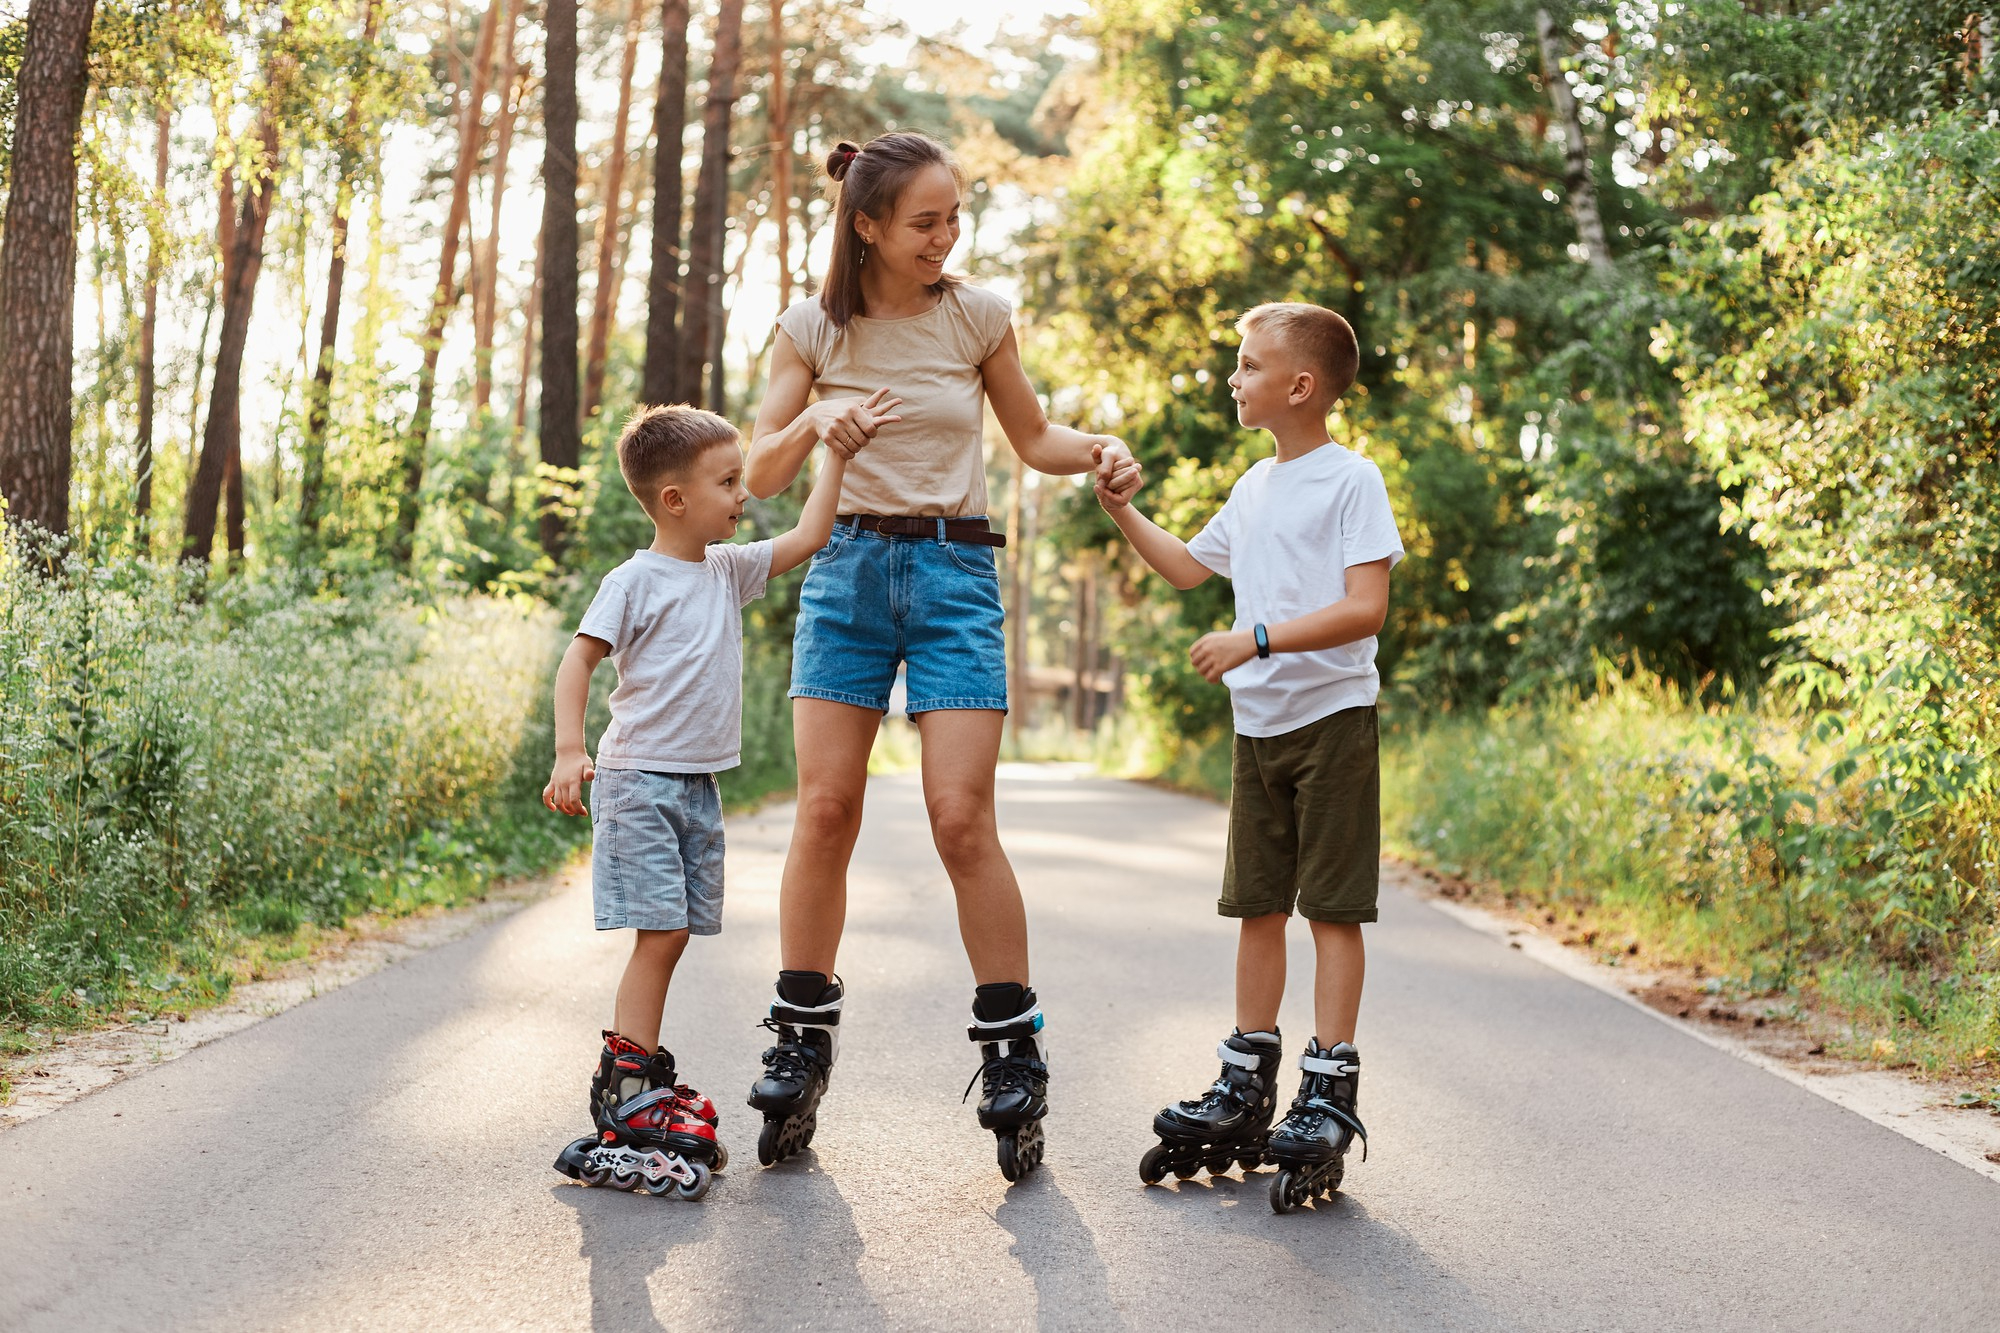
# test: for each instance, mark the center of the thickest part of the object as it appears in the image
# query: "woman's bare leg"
(961, 748)
(832, 741)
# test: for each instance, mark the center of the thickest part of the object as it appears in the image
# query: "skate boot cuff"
(821, 1018)
(1023, 1027)
(618, 1045)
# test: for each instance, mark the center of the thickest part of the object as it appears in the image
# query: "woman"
(902, 357)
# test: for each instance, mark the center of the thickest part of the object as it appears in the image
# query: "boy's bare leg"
(1260, 972)
(642, 992)
(960, 749)
(1337, 974)
(832, 741)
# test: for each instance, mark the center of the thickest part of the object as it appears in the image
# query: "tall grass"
(183, 766)
(1742, 838)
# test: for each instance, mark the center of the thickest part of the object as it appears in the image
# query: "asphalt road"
(1543, 1156)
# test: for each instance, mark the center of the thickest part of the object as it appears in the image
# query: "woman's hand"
(1118, 476)
(846, 425)
(1224, 650)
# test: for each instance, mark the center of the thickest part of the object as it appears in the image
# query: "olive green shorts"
(1305, 821)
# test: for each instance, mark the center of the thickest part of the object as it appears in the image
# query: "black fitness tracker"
(1263, 637)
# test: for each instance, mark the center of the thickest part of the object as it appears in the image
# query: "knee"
(962, 827)
(656, 945)
(827, 818)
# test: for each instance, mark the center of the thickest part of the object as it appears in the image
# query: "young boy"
(670, 619)
(1308, 540)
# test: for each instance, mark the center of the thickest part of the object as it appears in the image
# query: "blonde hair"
(659, 444)
(1316, 335)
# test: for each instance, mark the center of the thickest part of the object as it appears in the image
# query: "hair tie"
(840, 159)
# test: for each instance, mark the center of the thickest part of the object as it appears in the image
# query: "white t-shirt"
(676, 633)
(1285, 539)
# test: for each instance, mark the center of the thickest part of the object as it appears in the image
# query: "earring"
(864, 254)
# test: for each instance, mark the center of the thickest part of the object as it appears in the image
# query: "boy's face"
(1269, 381)
(709, 499)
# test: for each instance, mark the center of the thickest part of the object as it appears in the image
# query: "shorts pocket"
(976, 560)
(830, 552)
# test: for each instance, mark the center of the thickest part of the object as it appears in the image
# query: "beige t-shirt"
(932, 463)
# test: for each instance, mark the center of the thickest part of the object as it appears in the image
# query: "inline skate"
(1310, 1145)
(654, 1135)
(1007, 1024)
(1229, 1123)
(806, 1019)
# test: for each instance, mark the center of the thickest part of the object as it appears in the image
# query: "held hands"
(1118, 474)
(846, 425)
(1224, 650)
(564, 794)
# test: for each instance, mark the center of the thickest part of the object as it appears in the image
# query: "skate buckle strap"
(1322, 1106)
(822, 1016)
(1241, 1059)
(1022, 1027)
(1328, 1065)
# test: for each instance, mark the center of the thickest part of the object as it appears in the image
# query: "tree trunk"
(486, 282)
(221, 442)
(38, 265)
(663, 286)
(1576, 149)
(711, 206)
(149, 322)
(610, 219)
(561, 437)
(529, 314)
(445, 297)
(1083, 700)
(781, 155)
(319, 396)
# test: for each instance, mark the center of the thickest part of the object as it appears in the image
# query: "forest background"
(1680, 331)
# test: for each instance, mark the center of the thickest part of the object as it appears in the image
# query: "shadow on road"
(627, 1238)
(1053, 1245)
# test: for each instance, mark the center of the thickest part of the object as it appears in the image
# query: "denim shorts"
(656, 851)
(872, 601)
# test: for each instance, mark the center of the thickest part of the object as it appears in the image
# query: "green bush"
(183, 765)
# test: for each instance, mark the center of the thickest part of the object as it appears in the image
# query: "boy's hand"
(846, 425)
(564, 794)
(1118, 475)
(1224, 650)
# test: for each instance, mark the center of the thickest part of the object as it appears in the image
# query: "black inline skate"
(1229, 1123)
(653, 1134)
(806, 1017)
(1310, 1145)
(1007, 1024)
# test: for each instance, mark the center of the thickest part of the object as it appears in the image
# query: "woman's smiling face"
(915, 243)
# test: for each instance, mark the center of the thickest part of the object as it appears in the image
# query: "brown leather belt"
(975, 531)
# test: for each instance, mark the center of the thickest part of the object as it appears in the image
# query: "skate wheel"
(694, 1189)
(1334, 1175)
(1186, 1169)
(1153, 1165)
(1249, 1164)
(806, 1132)
(1020, 1150)
(721, 1158)
(767, 1141)
(1217, 1166)
(1285, 1191)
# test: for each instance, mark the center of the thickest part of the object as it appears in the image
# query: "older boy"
(1307, 539)
(670, 619)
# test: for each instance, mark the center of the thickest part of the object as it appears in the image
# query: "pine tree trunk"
(781, 155)
(530, 318)
(221, 445)
(149, 323)
(703, 290)
(604, 306)
(445, 298)
(486, 283)
(38, 265)
(1576, 149)
(561, 437)
(663, 287)
(319, 396)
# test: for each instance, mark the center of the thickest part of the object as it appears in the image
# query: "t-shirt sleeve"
(605, 617)
(992, 316)
(1368, 525)
(806, 325)
(1211, 545)
(749, 567)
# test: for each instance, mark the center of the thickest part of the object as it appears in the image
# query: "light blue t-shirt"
(676, 633)
(1285, 539)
